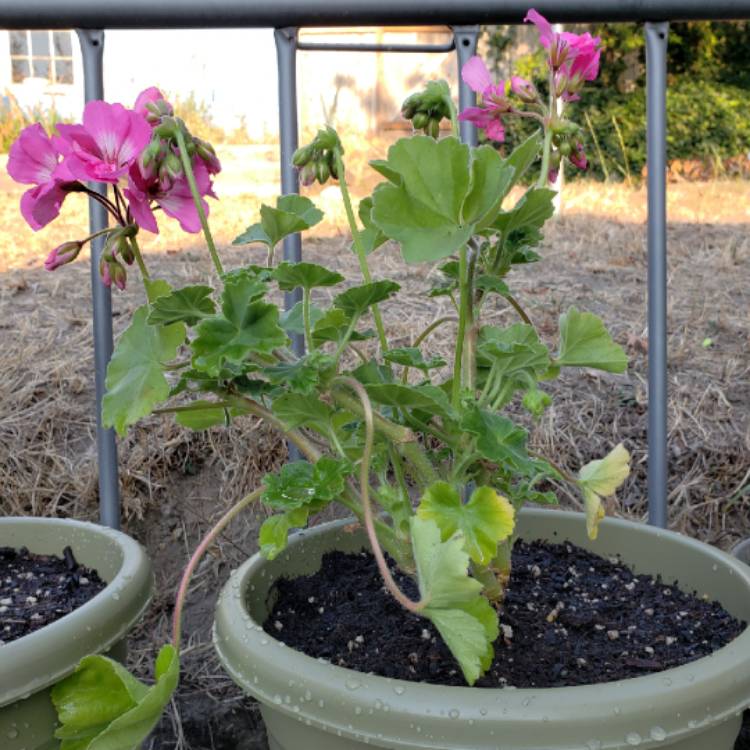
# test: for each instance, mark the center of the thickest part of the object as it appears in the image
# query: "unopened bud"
(62, 254)
(118, 274)
(410, 107)
(433, 129)
(420, 120)
(565, 148)
(167, 128)
(307, 174)
(157, 109)
(322, 172)
(172, 165)
(151, 152)
(303, 155)
(327, 139)
(125, 250)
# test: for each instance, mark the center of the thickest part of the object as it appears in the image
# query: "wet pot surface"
(310, 704)
(33, 663)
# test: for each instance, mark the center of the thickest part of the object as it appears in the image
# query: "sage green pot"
(31, 665)
(312, 705)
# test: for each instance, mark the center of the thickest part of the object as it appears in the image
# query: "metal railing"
(90, 17)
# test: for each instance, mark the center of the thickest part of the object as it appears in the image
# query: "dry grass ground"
(174, 483)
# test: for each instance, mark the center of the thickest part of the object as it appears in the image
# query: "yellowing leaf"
(601, 478)
(485, 520)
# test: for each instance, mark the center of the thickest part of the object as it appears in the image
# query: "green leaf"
(485, 521)
(305, 375)
(499, 440)
(296, 410)
(513, 350)
(300, 484)
(307, 275)
(524, 155)
(490, 283)
(332, 325)
(382, 167)
(156, 288)
(599, 479)
(533, 210)
(424, 397)
(135, 377)
(423, 209)
(244, 327)
(101, 706)
(490, 181)
(464, 618)
(356, 300)
(292, 321)
(189, 305)
(372, 238)
(585, 342)
(535, 401)
(293, 213)
(410, 356)
(274, 532)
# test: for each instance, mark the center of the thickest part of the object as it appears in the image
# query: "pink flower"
(173, 196)
(107, 144)
(577, 54)
(34, 159)
(488, 116)
(62, 254)
(523, 89)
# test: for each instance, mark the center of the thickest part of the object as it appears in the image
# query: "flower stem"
(306, 318)
(207, 541)
(358, 247)
(364, 480)
(551, 117)
(139, 258)
(188, 168)
(461, 334)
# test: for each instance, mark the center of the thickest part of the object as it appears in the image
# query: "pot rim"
(709, 690)
(41, 658)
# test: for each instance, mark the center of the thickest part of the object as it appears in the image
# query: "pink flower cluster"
(109, 147)
(573, 59)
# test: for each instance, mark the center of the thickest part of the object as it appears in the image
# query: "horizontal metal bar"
(201, 14)
(322, 47)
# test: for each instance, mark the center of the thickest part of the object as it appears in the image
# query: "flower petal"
(546, 34)
(33, 157)
(475, 75)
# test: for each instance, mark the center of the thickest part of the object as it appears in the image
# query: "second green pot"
(309, 704)
(31, 665)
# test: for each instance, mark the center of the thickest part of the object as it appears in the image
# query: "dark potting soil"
(569, 618)
(36, 590)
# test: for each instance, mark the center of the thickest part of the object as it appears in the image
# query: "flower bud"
(327, 139)
(433, 129)
(322, 172)
(104, 261)
(565, 148)
(124, 250)
(157, 109)
(524, 90)
(172, 165)
(307, 174)
(118, 274)
(332, 168)
(151, 152)
(303, 155)
(62, 254)
(167, 128)
(578, 157)
(420, 120)
(410, 107)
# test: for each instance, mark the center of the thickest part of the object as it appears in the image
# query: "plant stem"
(139, 259)
(358, 247)
(188, 169)
(364, 480)
(306, 318)
(207, 541)
(460, 335)
(551, 117)
(517, 307)
(430, 328)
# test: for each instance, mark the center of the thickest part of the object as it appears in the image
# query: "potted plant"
(420, 451)
(33, 663)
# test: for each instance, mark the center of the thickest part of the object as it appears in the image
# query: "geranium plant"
(418, 449)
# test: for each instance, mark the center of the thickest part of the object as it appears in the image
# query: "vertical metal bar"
(286, 55)
(656, 108)
(92, 50)
(466, 46)
(286, 58)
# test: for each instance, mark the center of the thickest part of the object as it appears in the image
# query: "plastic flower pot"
(742, 551)
(31, 665)
(309, 704)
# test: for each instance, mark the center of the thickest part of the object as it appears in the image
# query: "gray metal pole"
(656, 108)
(286, 57)
(92, 49)
(466, 47)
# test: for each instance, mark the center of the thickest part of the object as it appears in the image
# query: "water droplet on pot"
(594, 745)
(483, 711)
(658, 733)
(277, 699)
(667, 681)
(633, 738)
(358, 710)
(353, 684)
(321, 703)
(378, 704)
(308, 695)
(399, 690)
(264, 641)
(454, 713)
(115, 596)
(616, 710)
(12, 734)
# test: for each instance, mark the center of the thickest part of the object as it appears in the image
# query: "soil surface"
(569, 618)
(36, 590)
